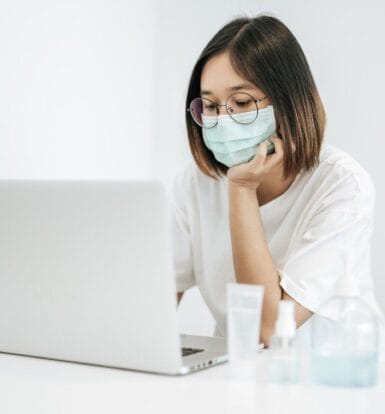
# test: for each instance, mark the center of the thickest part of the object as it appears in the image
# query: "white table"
(34, 385)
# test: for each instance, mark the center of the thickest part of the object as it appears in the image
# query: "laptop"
(86, 276)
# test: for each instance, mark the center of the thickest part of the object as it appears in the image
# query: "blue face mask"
(233, 143)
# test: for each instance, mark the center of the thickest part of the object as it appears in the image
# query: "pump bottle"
(284, 366)
(345, 339)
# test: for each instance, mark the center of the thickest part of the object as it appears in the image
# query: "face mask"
(233, 143)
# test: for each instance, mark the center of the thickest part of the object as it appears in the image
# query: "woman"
(294, 216)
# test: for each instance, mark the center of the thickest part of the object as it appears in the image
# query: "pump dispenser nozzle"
(347, 284)
(285, 325)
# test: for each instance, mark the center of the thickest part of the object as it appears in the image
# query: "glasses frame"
(229, 110)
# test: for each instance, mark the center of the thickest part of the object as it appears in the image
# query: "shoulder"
(341, 161)
(336, 164)
(340, 177)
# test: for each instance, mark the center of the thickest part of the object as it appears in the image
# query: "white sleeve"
(336, 239)
(180, 234)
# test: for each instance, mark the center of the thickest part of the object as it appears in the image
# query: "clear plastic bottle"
(284, 363)
(345, 344)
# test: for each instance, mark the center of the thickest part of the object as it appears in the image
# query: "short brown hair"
(264, 51)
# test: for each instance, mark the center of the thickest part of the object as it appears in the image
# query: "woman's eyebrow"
(231, 88)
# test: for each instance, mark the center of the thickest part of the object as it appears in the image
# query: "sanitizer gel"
(345, 342)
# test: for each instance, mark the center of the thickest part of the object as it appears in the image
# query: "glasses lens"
(242, 103)
(204, 112)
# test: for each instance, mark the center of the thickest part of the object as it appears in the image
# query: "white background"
(97, 89)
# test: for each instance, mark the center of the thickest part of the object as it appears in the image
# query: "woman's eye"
(209, 107)
(243, 103)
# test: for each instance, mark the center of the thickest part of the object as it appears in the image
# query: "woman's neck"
(273, 186)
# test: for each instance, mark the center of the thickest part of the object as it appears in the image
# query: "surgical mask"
(234, 143)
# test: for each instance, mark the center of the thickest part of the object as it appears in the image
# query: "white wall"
(75, 79)
(97, 89)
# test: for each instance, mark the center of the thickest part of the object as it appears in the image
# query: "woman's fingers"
(263, 161)
(260, 155)
(277, 156)
(250, 174)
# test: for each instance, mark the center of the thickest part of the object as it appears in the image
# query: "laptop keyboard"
(190, 351)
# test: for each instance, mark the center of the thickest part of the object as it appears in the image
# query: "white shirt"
(317, 230)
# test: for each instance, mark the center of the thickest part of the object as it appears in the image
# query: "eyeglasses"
(205, 112)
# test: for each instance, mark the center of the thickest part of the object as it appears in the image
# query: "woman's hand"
(251, 174)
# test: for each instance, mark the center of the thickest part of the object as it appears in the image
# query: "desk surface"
(34, 385)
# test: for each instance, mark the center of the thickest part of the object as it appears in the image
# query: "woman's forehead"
(218, 76)
(218, 71)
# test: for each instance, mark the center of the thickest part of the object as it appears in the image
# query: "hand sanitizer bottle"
(284, 360)
(345, 339)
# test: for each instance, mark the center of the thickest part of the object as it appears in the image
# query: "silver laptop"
(86, 276)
